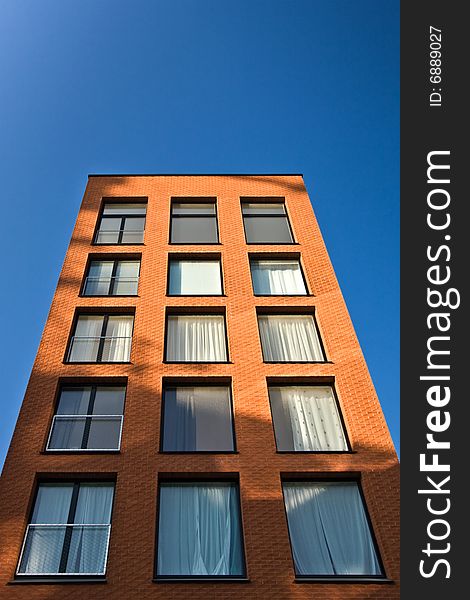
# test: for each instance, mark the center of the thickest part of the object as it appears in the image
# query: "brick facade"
(130, 567)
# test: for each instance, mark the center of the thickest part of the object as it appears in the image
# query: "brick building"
(200, 421)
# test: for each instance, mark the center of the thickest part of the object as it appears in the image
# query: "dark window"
(88, 418)
(306, 419)
(112, 278)
(101, 338)
(290, 338)
(277, 277)
(195, 278)
(329, 530)
(199, 531)
(122, 224)
(69, 530)
(197, 419)
(193, 223)
(266, 223)
(196, 338)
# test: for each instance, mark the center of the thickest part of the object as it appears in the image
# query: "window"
(266, 223)
(277, 278)
(88, 418)
(289, 338)
(122, 224)
(112, 278)
(306, 419)
(195, 278)
(197, 419)
(193, 223)
(199, 531)
(69, 530)
(196, 338)
(101, 338)
(329, 530)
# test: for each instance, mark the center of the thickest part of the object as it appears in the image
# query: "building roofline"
(195, 175)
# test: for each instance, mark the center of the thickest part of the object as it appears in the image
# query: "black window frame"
(334, 478)
(64, 385)
(82, 313)
(275, 256)
(175, 257)
(196, 383)
(263, 201)
(195, 312)
(123, 216)
(212, 200)
(202, 478)
(100, 478)
(116, 259)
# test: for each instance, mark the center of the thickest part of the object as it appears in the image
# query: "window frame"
(285, 383)
(116, 259)
(66, 577)
(195, 383)
(291, 312)
(206, 257)
(123, 216)
(195, 312)
(273, 256)
(201, 479)
(93, 385)
(336, 477)
(112, 313)
(261, 200)
(194, 200)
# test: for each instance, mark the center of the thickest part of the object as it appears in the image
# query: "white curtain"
(195, 277)
(289, 338)
(197, 419)
(87, 552)
(86, 339)
(281, 277)
(306, 419)
(117, 345)
(196, 339)
(199, 530)
(127, 278)
(328, 528)
(43, 546)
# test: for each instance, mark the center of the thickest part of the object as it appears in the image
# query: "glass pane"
(109, 400)
(267, 230)
(42, 550)
(196, 339)
(199, 530)
(104, 433)
(329, 531)
(187, 230)
(84, 349)
(191, 277)
(183, 208)
(133, 230)
(109, 230)
(74, 401)
(52, 503)
(98, 280)
(279, 277)
(306, 419)
(197, 419)
(263, 208)
(127, 278)
(94, 503)
(67, 433)
(117, 344)
(88, 550)
(124, 209)
(289, 338)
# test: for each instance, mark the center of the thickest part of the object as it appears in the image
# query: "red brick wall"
(132, 547)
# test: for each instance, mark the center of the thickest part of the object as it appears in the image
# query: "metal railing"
(98, 349)
(87, 419)
(111, 283)
(119, 235)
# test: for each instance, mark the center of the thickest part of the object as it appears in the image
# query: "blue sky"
(178, 86)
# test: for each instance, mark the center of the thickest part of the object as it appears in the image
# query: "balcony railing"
(111, 286)
(69, 549)
(82, 433)
(99, 349)
(119, 236)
